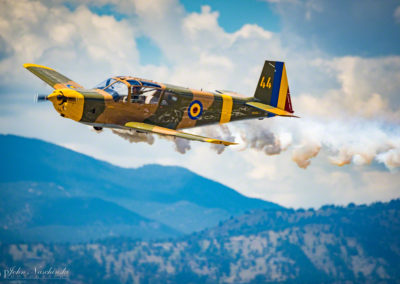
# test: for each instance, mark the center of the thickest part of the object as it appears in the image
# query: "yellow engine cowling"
(69, 103)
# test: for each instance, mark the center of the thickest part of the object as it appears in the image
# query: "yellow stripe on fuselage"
(226, 113)
(283, 90)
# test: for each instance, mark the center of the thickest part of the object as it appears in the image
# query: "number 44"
(267, 84)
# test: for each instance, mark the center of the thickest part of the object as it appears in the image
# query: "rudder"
(273, 87)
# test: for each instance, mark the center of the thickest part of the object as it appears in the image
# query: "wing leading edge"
(52, 77)
(170, 132)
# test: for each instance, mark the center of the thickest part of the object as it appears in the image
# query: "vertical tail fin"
(273, 87)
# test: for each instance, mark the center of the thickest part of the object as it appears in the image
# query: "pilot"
(135, 94)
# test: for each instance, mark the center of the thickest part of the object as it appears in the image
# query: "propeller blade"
(40, 98)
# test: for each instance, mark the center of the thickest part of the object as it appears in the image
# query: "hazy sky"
(343, 64)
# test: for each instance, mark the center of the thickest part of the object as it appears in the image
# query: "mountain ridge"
(178, 200)
(334, 244)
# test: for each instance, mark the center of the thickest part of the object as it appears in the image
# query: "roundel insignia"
(195, 110)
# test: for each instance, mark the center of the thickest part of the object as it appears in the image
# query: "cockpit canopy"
(140, 91)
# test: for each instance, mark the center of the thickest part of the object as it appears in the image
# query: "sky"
(343, 65)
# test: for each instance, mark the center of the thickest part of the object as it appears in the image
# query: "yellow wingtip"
(27, 65)
(216, 141)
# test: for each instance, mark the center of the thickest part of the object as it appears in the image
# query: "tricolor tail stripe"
(283, 90)
(276, 84)
(277, 93)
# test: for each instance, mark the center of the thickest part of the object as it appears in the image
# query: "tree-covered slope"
(354, 244)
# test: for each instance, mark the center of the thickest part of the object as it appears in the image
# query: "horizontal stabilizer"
(170, 132)
(270, 109)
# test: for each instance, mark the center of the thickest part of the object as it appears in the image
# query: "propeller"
(60, 97)
(64, 98)
(40, 98)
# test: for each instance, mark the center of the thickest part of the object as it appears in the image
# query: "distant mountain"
(44, 212)
(354, 244)
(51, 193)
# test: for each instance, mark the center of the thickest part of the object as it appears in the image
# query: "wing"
(52, 77)
(270, 109)
(170, 132)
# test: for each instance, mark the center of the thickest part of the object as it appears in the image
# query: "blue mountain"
(52, 193)
(334, 244)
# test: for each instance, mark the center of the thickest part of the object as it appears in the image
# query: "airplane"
(125, 102)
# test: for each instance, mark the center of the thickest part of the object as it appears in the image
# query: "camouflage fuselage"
(147, 106)
(173, 110)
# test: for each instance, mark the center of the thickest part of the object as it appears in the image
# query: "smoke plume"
(221, 132)
(303, 154)
(356, 142)
(261, 138)
(390, 158)
(181, 145)
(133, 136)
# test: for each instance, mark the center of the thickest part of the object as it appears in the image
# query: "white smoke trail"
(133, 136)
(181, 145)
(221, 132)
(358, 142)
(259, 137)
(303, 154)
(347, 141)
(390, 158)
